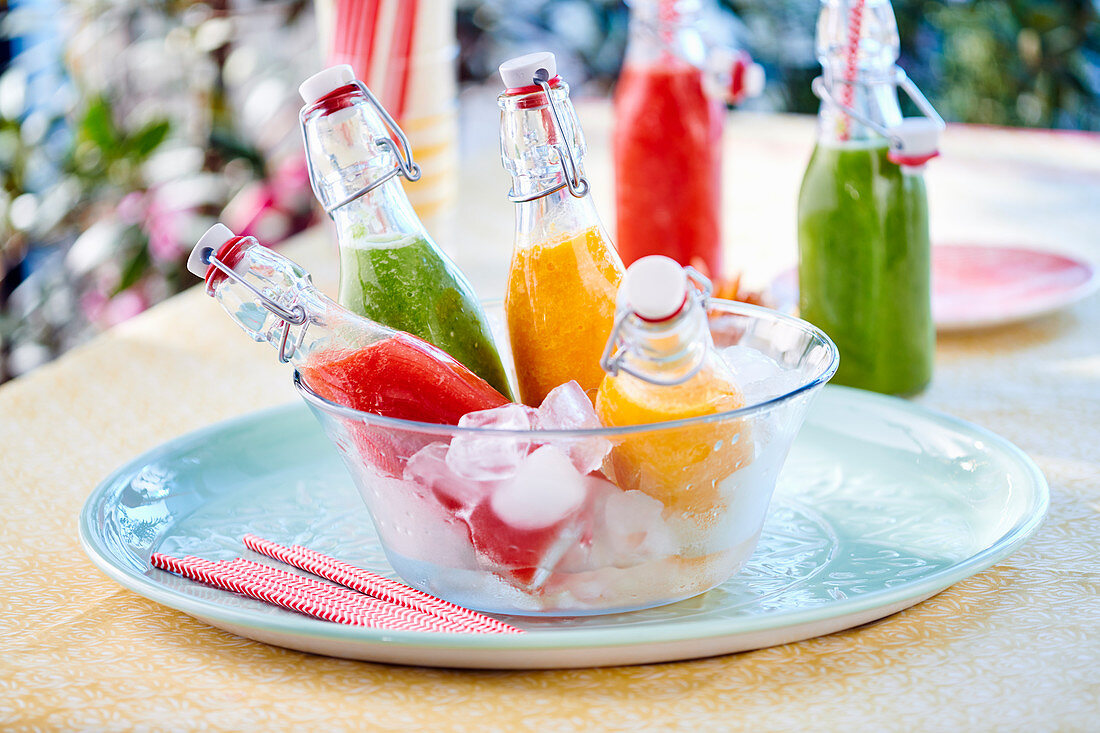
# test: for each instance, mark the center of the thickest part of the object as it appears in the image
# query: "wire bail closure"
(293, 317)
(574, 181)
(404, 164)
(614, 353)
(902, 81)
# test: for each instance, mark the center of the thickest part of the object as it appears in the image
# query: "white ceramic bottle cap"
(214, 238)
(654, 287)
(325, 82)
(919, 137)
(520, 71)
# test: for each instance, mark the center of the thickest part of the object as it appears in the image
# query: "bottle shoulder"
(630, 400)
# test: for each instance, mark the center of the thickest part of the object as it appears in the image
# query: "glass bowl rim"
(727, 306)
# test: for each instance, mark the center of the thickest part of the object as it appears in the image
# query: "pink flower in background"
(91, 304)
(164, 226)
(131, 209)
(107, 311)
(291, 183)
(126, 304)
(267, 209)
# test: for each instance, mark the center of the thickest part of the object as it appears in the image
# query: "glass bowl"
(577, 522)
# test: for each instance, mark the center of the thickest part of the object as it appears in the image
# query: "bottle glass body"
(684, 466)
(390, 269)
(668, 141)
(864, 250)
(342, 356)
(565, 273)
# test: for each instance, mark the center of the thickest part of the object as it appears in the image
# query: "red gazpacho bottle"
(343, 357)
(670, 105)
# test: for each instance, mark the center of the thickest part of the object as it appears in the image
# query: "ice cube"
(773, 386)
(529, 522)
(412, 522)
(618, 529)
(428, 468)
(487, 457)
(567, 407)
(545, 489)
(759, 376)
(748, 364)
(635, 527)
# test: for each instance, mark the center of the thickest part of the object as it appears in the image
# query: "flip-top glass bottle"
(565, 272)
(670, 107)
(341, 356)
(864, 253)
(662, 365)
(390, 269)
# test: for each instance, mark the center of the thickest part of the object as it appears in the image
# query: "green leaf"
(134, 268)
(229, 146)
(99, 126)
(146, 139)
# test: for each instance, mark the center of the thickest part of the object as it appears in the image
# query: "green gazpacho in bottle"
(390, 269)
(864, 253)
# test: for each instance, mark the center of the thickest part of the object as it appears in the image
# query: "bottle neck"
(347, 146)
(663, 32)
(541, 142)
(267, 290)
(670, 351)
(381, 216)
(857, 45)
(875, 99)
(555, 216)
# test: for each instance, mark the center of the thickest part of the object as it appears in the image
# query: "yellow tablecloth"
(1013, 648)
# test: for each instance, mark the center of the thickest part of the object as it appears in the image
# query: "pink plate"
(977, 286)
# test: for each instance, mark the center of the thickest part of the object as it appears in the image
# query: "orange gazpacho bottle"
(662, 366)
(565, 272)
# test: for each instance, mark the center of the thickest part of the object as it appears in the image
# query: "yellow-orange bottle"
(565, 273)
(661, 366)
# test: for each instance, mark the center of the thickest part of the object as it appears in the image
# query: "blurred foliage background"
(1031, 63)
(129, 126)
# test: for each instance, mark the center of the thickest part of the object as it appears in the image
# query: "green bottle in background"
(390, 269)
(864, 252)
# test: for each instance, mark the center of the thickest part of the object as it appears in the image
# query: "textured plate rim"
(546, 639)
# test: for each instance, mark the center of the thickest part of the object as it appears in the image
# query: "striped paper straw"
(376, 585)
(304, 595)
(401, 55)
(851, 66)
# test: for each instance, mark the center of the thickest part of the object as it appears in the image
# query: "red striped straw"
(666, 17)
(304, 595)
(404, 30)
(339, 29)
(376, 585)
(356, 24)
(363, 47)
(851, 68)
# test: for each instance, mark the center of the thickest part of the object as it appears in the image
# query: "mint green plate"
(881, 504)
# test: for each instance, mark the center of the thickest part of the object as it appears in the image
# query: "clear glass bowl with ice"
(544, 512)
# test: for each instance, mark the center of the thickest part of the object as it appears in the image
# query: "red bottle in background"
(670, 103)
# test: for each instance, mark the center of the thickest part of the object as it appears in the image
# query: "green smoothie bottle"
(864, 254)
(390, 269)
